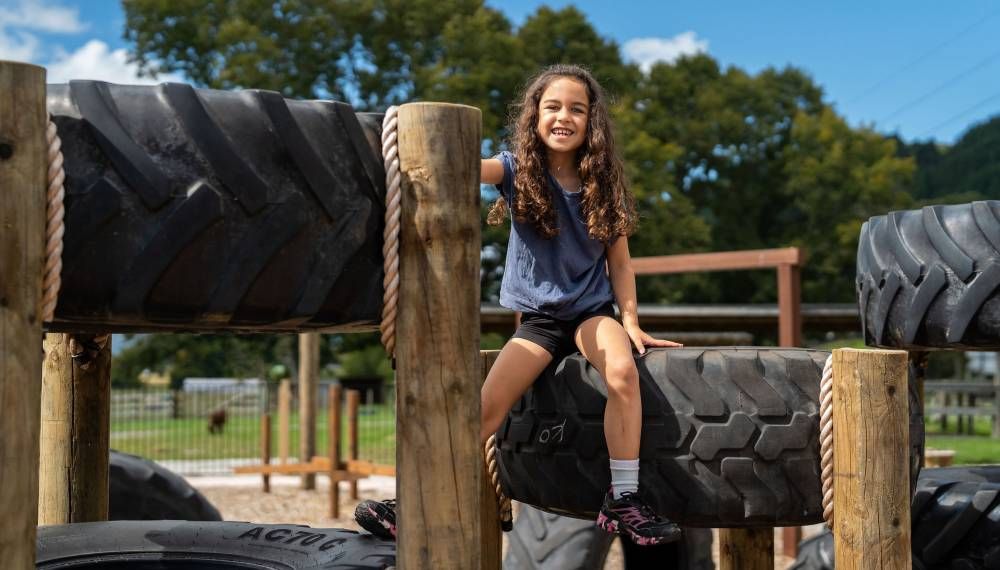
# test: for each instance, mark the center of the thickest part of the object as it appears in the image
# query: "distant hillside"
(969, 170)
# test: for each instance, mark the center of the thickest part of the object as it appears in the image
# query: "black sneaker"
(377, 517)
(632, 517)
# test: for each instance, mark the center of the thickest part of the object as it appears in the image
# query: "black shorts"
(554, 335)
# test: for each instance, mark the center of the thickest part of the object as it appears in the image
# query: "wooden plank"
(438, 452)
(75, 430)
(492, 541)
(265, 450)
(333, 401)
(362, 467)
(298, 469)
(718, 261)
(746, 549)
(789, 306)
(871, 459)
(22, 237)
(284, 418)
(353, 403)
(308, 387)
(982, 388)
(962, 411)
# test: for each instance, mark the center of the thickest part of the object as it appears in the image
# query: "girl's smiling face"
(563, 113)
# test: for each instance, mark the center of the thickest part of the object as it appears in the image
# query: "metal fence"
(209, 428)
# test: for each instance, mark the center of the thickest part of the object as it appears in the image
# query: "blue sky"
(926, 69)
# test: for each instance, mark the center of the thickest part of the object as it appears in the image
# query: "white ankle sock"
(624, 476)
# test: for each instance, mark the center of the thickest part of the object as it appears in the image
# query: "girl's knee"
(622, 377)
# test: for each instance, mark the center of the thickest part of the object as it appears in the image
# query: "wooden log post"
(333, 399)
(438, 452)
(308, 387)
(353, 404)
(789, 334)
(871, 455)
(75, 429)
(284, 419)
(23, 163)
(492, 540)
(746, 549)
(996, 397)
(265, 450)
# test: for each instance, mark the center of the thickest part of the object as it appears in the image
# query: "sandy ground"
(240, 498)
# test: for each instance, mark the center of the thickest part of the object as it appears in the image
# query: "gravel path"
(240, 498)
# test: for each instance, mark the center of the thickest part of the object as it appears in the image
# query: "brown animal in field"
(217, 421)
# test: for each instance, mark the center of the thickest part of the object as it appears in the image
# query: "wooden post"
(23, 162)
(996, 397)
(871, 455)
(789, 334)
(438, 454)
(492, 539)
(75, 430)
(746, 549)
(284, 413)
(308, 385)
(353, 401)
(333, 397)
(265, 449)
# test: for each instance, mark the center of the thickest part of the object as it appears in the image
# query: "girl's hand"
(642, 339)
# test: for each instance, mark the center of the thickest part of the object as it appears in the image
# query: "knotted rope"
(390, 237)
(54, 228)
(503, 503)
(826, 438)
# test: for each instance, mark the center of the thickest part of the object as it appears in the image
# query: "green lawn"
(969, 449)
(188, 438)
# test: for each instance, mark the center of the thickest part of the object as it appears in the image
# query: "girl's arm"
(491, 171)
(623, 283)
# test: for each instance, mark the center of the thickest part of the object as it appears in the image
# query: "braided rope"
(390, 236)
(54, 228)
(826, 438)
(503, 503)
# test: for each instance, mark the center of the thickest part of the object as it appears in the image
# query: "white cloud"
(17, 46)
(647, 51)
(95, 60)
(43, 17)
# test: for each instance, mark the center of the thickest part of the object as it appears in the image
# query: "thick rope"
(54, 228)
(390, 237)
(503, 503)
(826, 438)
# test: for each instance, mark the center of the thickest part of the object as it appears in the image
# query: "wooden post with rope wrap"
(871, 477)
(438, 453)
(22, 256)
(75, 429)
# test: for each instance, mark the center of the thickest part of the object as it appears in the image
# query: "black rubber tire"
(148, 545)
(544, 541)
(141, 489)
(955, 515)
(929, 278)
(730, 437)
(203, 210)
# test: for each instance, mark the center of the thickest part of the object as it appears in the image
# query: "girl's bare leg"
(606, 345)
(516, 368)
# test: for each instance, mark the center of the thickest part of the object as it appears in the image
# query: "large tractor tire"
(141, 489)
(209, 546)
(956, 523)
(544, 541)
(929, 278)
(200, 210)
(730, 437)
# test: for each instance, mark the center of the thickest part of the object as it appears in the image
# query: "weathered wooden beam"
(308, 390)
(492, 538)
(22, 237)
(75, 429)
(265, 450)
(333, 404)
(746, 549)
(717, 261)
(871, 459)
(438, 374)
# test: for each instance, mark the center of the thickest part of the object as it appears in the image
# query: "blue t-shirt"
(562, 277)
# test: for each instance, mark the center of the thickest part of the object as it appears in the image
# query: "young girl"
(567, 259)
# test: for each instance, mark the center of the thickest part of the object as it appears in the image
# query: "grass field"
(969, 449)
(188, 438)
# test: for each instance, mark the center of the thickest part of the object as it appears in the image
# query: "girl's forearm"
(623, 283)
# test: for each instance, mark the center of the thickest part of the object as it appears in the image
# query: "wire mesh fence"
(211, 426)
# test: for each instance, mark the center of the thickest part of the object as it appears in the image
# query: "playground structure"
(438, 364)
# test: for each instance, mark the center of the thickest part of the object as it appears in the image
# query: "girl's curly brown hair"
(607, 204)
